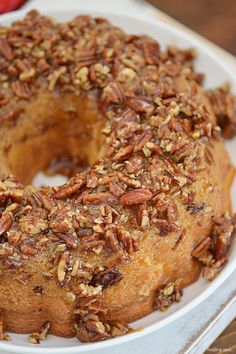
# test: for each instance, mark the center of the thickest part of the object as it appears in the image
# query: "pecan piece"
(141, 104)
(222, 235)
(90, 329)
(21, 89)
(224, 107)
(136, 196)
(67, 189)
(97, 198)
(210, 272)
(166, 295)
(11, 115)
(202, 247)
(32, 224)
(61, 221)
(28, 248)
(116, 189)
(142, 140)
(119, 329)
(106, 278)
(62, 266)
(91, 180)
(123, 153)
(36, 337)
(69, 240)
(87, 57)
(151, 52)
(91, 242)
(114, 93)
(130, 182)
(5, 49)
(5, 222)
(47, 201)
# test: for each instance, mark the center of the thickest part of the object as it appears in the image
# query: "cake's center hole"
(59, 170)
(55, 137)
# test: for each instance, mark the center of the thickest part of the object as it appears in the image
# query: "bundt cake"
(146, 206)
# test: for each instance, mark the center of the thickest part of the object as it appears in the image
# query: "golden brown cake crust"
(125, 236)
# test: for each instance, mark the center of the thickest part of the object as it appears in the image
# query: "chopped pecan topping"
(73, 186)
(32, 224)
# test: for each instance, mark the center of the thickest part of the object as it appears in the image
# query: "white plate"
(217, 73)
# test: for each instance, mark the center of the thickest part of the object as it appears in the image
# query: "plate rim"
(225, 273)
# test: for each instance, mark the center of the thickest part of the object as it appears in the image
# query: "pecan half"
(87, 57)
(136, 196)
(5, 222)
